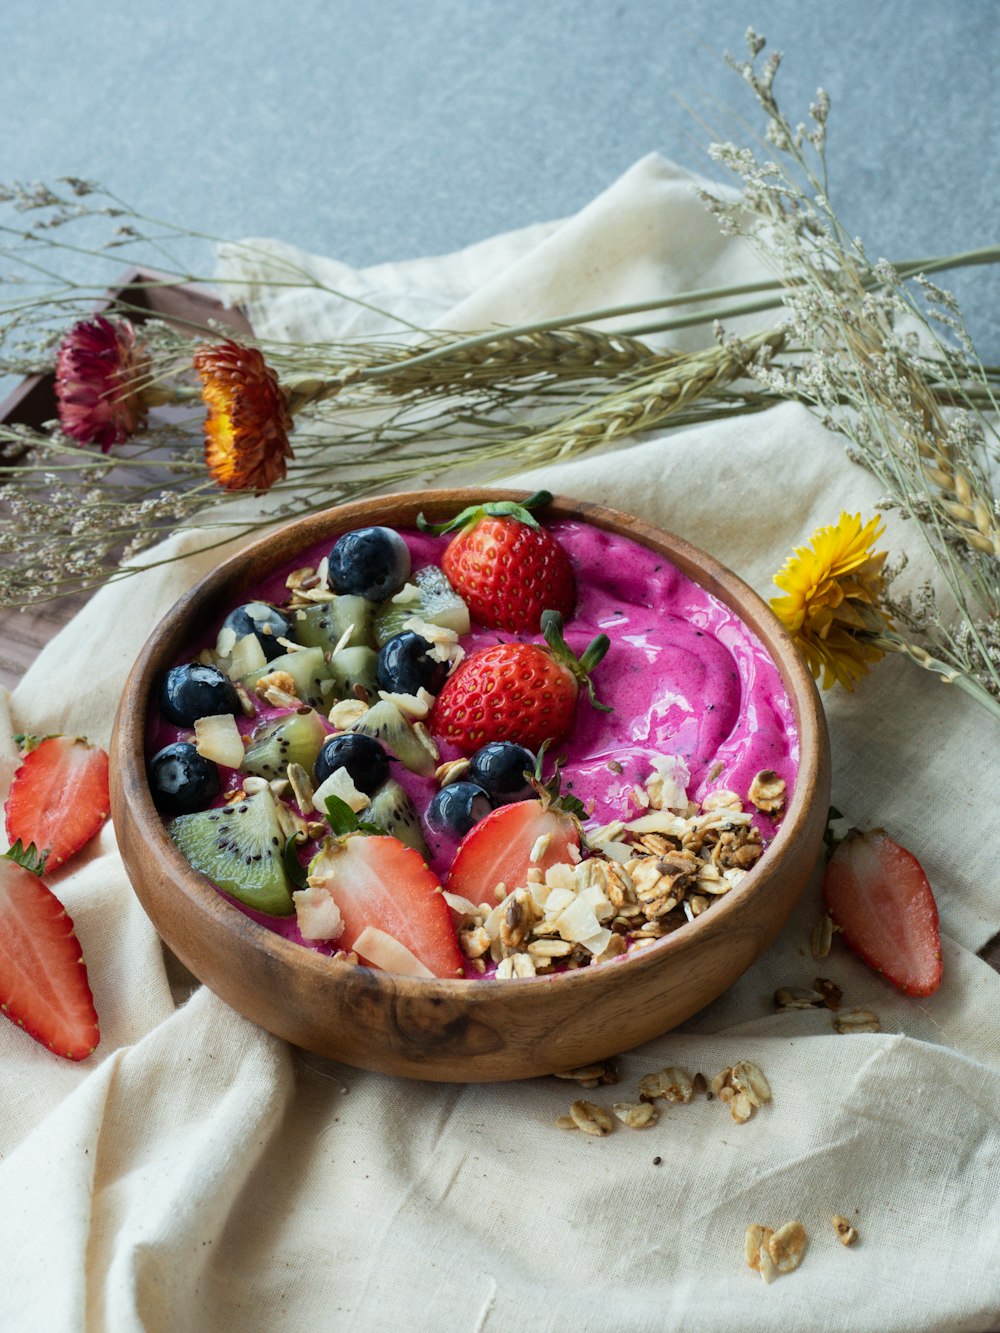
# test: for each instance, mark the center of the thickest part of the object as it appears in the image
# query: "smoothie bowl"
(462, 806)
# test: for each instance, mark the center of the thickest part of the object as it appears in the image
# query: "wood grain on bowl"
(459, 1031)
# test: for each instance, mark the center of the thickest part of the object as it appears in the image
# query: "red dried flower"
(246, 433)
(99, 367)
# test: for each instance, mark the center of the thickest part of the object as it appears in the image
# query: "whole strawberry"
(523, 692)
(506, 567)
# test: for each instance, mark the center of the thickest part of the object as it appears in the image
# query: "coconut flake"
(596, 944)
(218, 738)
(415, 706)
(444, 642)
(226, 641)
(614, 851)
(317, 915)
(539, 847)
(666, 786)
(577, 921)
(408, 593)
(558, 900)
(459, 904)
(339, 783)
(247, 656)
(560, 876)
(386, 952)
(659, 821)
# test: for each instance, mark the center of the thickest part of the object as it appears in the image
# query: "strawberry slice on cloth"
(506, 566)
(878, 895)
(43, 978)
(59, 797)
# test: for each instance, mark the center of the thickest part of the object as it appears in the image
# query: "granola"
(643, 879)
(770, 1252)
(857, 1020)
(845, 1232)
(742, 1088)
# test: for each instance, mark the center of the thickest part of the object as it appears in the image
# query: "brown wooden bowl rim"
(280, 544)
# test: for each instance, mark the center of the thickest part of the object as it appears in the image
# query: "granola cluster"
(644, 878)
(742, 1087)
(771, 1252)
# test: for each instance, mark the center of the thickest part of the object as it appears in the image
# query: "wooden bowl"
(458, 1031)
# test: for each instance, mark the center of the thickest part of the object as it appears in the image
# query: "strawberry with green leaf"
(59, 797)
(522, 692)
(507, 567)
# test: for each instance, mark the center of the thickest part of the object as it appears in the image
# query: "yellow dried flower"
(834, 587)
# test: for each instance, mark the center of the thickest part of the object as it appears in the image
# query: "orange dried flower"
(246, 432)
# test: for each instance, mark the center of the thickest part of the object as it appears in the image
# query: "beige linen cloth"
(198, 1174)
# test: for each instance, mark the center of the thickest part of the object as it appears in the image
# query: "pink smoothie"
(684, 676)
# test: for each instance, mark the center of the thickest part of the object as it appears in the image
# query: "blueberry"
(366, 762)
(264, 621)
(457, 808)
(193, 691)
(369, 562)
(181, 780)
(403, 665)
(499, 768)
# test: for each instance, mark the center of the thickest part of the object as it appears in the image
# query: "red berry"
(518, 692)
(509, 573)
(513, 692)
(379, 882)
(878, 895)
(498, 850)
(59, 797)
(43, 979)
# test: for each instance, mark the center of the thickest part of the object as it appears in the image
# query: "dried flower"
(833, 589)
(887, 361)
(98, 367)
(246, 433)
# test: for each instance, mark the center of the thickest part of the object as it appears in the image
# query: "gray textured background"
(399, 128)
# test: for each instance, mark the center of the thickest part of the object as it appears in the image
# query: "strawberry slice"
(59, 797)
(878, 895)
(43, 978)
(498, 849)
(380, 882)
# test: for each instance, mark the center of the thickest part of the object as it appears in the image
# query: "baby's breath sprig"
(890, 366)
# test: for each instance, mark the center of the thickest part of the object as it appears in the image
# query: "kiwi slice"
(295, 739)
(239, 848)
(385, 723)
(307, 669)
(438, 604)
(323, 626)
(353, 670)
(393, 811)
